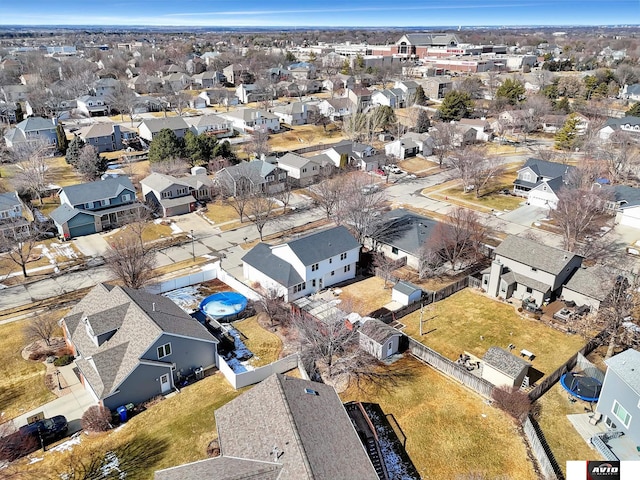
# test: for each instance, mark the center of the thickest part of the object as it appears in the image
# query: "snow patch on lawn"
(68, 445)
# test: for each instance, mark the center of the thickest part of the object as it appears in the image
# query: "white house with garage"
(305, 265)
(625, 205)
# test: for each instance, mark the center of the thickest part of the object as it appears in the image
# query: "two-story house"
(528, 270)
(175, 196)
(251, 119)
(539, 181)
(131, 345)
(250, 92)
(301, 171)
(630, 125)
(254, 176)
(211, 125)
(176, 82)
(237, 74)
(107, 137)
(350, 153)
(32, 129)
(303, 266)
(92, 207)
(105, 87)
(150, 127)
(336, 108)
(12, 223)
(93, 106)
(360, 98)
(410, 145)
(208, 79)
(294, 113)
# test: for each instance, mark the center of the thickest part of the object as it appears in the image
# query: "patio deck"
(623, 447)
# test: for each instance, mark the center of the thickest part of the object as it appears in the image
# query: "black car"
(32, 437)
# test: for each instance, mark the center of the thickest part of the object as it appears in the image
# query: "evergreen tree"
(73, 150)
(511, 90)
(165, 146)
(455, 105)
(346, 67)
(193, 148)
(562, 105)
(421, 98)
(90, 164)
(634, 111)
(19, 113)
(290, 57)
(422, 122)
(63, 143)
(567, 137)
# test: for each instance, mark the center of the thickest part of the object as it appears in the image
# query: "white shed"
(405, 293)
(502, 368)
(379, 339)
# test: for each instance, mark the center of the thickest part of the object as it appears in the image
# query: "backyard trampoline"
(223, 305)
(581, 386)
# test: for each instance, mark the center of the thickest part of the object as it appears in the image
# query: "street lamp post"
(57, 373)
(193, 248)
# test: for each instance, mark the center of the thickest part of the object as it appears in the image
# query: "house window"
(270, 178)
(534, 269)
(343, 256)
(282, 176)
(394, 250)
(314, 267)
(621, 414)
(164, 350)
(347, 268)
(299, 287)
(526, 176)
(331, 260)
(313, 283)
(104, 202)
(126, 197)
(333, 273)
(529, 290)
(304, 170)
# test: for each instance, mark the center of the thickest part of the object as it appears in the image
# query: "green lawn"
(266, 346)
(450, 431)
(469, 321)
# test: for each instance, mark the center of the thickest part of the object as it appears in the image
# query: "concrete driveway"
(92, 245)
(525, 215)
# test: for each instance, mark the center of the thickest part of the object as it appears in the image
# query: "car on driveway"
(30, 438)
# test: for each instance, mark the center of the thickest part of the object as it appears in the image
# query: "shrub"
(66, 350)
(63, 360)
(96, 419)
(512, 400)
(520, 309)
(40, 355)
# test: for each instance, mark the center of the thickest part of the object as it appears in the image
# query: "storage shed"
(379, 339)
(502, 368)
(405, 293)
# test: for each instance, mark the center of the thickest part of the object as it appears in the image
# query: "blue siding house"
(619, 400)
(132, 345)
(96, 206)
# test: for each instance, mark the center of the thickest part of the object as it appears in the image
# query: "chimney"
(153, 306)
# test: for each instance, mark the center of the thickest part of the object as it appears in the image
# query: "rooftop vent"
(310, 391)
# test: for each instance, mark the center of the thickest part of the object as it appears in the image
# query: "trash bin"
(199, 373)
(122, 411)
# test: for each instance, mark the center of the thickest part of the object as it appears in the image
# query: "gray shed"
(405, 293)
(379, 339)
(502, 368)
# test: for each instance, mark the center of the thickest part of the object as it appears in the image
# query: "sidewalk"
(75, 400)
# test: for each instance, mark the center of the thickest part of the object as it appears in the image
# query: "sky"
(304, 13)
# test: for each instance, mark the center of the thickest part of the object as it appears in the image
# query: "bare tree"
(359, 206)
(272, 303)
(237, 185)
(576, 214)
(90, 164)
(20, 243)
(284, 196)
(259, 146)
(620, 155)
(328, 194)
(261, 209)
(41, 327)
(443, 136)
(476, 169)
(171, 166)
(430, 262)
(124, 100)
(96, 419)
(618, 308)
(32, 174)
(384, 267)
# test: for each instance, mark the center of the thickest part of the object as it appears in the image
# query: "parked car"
(369, 189)
(30, 438)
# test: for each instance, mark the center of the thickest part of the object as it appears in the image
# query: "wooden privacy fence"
(450, 368)
(546, 461)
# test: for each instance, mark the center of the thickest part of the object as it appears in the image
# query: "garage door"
(178, 210)
(630, 221)
(81, 230)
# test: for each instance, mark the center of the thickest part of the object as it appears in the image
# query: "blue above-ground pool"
(582, 387)
(223, 305)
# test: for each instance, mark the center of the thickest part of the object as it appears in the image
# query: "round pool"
(223, 304)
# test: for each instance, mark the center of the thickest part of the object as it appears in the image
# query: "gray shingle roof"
(311, 431)
(90, 192)
(513, 277)
(159, 181)
(588, 281)
(249, 114)
(534, 254)
(35, 123)
(405, 230)
(504, 361)
(629, 195)
(206, 120)
(294, 161)
(222, 468)
(9, 200)
(261, 258)
(139, 317)
(407, 288)
(627, 366)
(63, 214)
(172, 123)
(617, 122)
(547, 169)
(378, 331)
(323, 245)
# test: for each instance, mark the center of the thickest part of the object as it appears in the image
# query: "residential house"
(528, 270)
(402, 234)
(143, 84)
(9, 112)
(625, 204)
(92, 106)
(107, 137)
(619, 398)
(408, 88)
(92, 207)
(480, 125)
(310, 86)
(251, 119)
(302, 71)
(301, 171)
(176, 82)
(379, 339)
(410, 145)
(553, 123)
(132, 72)
(503, 369)
(387, 98)
(211, 125)
(131, 345)
(629, 125)
(12, 222)
(304, 433)
(336, 108)
(105, 87)
(208, 79)
(31, 129)
(169, 69)
(339, 82)
(175, 196)
(197, 102)
(254, 176)
(305, 265)
(237, 74)
(360, 98)
(250, 92)
(349, 153)
(219, 96)
(631, 92)
(437, 87)
(14, 93)
(150, 127)
(513, 119)
(195, 66)
(294, 113)
(209, 57)
(586, 288)
(540, 181)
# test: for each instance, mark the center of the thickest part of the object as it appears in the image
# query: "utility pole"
(421, 317)
(193, 249)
